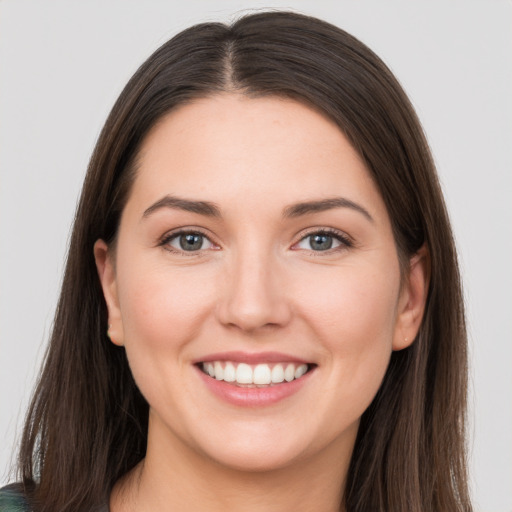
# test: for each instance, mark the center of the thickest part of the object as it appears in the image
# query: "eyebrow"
(177, 203)
(210, 209)
(299, 209)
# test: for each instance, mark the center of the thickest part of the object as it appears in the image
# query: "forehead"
(233, 149)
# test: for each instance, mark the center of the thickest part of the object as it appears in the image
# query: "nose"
(254, 294)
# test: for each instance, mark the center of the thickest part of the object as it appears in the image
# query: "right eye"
(188, 241)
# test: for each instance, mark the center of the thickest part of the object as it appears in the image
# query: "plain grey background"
(62, 64)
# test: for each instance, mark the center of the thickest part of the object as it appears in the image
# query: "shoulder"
(13, 500)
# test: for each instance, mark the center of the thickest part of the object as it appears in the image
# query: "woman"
(261, 308)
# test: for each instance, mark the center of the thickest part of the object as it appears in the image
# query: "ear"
(104, 258)
(412, 301)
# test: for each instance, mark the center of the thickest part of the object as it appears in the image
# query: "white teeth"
(289, 373)
(229, 373)
(219, 371)
(299, 372)
(209, 369)
(277, 374)
(259, 375)
(244, 374)
(262, 374)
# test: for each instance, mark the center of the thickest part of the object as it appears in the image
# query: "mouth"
(261, 375)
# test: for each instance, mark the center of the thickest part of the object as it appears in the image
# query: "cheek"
(353, 315)
(162, 308)
(349, 304)
(162, 311)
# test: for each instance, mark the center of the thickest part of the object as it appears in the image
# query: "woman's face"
(254, 246)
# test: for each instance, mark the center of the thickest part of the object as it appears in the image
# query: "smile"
(261, 379)
(247, 375)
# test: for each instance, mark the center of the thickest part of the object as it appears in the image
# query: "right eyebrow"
(178, 203)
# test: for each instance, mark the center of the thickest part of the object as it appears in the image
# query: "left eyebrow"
(322, 205)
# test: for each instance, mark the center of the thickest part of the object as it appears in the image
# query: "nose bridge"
(254, 295)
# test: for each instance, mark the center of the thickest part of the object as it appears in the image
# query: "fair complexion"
(253, 234)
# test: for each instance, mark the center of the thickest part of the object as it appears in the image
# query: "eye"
(188, 241)
(323, 241)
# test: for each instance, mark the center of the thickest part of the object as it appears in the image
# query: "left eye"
(319, 242)
(189, 242)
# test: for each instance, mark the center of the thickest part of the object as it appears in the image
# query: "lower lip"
(253, 397)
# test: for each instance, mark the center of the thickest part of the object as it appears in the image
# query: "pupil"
(191, 242)
(321, 242)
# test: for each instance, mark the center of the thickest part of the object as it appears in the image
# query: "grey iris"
(191, 241)
(320, 242)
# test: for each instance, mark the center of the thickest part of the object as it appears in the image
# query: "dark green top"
(12, 500)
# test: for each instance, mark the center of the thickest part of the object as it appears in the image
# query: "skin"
(255, 285)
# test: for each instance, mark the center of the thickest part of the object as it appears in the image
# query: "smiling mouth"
(254, 376)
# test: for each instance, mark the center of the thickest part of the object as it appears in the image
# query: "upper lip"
(252, 357)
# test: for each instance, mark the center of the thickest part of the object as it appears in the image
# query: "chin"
(245, 457)
(265, 445)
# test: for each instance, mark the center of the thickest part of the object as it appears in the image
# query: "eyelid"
(345, 240)
(164, 240)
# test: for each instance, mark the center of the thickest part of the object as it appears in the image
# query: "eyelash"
(167, 238)
(345, 241)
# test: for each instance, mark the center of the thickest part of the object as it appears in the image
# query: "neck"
(175, 477)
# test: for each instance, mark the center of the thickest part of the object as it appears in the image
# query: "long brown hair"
(87, 423)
